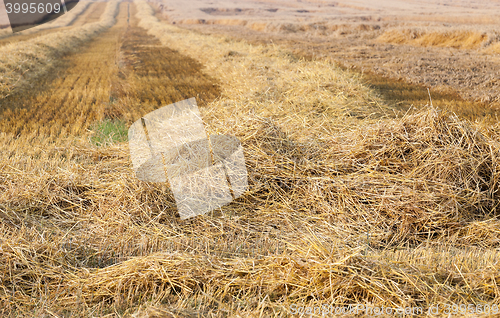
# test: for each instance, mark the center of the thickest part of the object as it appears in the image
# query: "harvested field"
(91, 13)
(454, 39)
(26, 60)
(448, 48)
(471, 78)
(156, 75)
(84, 89)
(63, 21)
(361, 190)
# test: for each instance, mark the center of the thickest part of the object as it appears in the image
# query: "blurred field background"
(361, 189)
(449, 46)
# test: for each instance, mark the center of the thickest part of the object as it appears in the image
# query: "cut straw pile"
(21, 62)
(346, 205)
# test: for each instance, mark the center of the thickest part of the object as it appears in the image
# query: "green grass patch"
(109, 131)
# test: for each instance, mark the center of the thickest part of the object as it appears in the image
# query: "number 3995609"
(33, 7)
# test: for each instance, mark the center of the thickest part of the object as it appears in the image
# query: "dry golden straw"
(347, 202)
(62, 21)
(21, 61)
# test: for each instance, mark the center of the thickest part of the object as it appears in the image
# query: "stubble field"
(361, 191)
